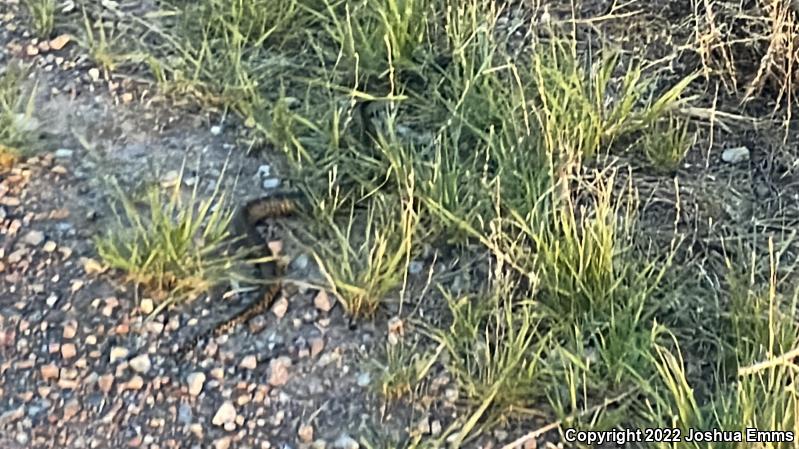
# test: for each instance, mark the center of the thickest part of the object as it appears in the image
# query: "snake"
(243, 224)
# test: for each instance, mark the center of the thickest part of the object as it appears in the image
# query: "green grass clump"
(583, 106)
(665, 144)
(42, 16)
(16, 111)
(753, 383)
(221, 51)
(178, 248)
(495, 344)
(364, 264)
(403, 367)
(378, 36)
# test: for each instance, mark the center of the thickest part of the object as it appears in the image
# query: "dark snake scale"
(244, 223)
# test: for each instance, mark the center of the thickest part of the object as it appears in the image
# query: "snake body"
(244, 223)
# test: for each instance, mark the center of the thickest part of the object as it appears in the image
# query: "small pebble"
(305, 433)
(118, 353)
(146, 306)
(63, 153)
(141, 363)
(264, 171)
(323, 301)
(225, 414)
(135, 383)
(735, 155)
(34, 238)
(68, 351)
(270, 183)
(249, 362)
(195, 382)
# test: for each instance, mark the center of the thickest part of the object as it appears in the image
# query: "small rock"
(195, 382)
(68, 351)
(317, 345)
(270, 183)
(323, 301)
(22, 438)
(118, 353)
(275, 247)
(135, 383)
(305, 433)
(735, 155)
(71, 409)
(279, 371)
(49, 247)
(51, 300)
(66, 384)
(34, 238)
(154, 327)
(196, 430)
(264, 171)
(346, 442)
(280, 307)
(141, 363)
(16, 256)
(70, 330)
(218, 373)
(531, 443)
(222, 443)
(31, 50)
(250, 362)
(94, 73)
(49, 372)
(146, 306)
(63, 153)
(243, 399)
(59, 42)
(300, 263)
(105, 382)
(216, 130)
(364, 379)
(10, 201)
(226, 414)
